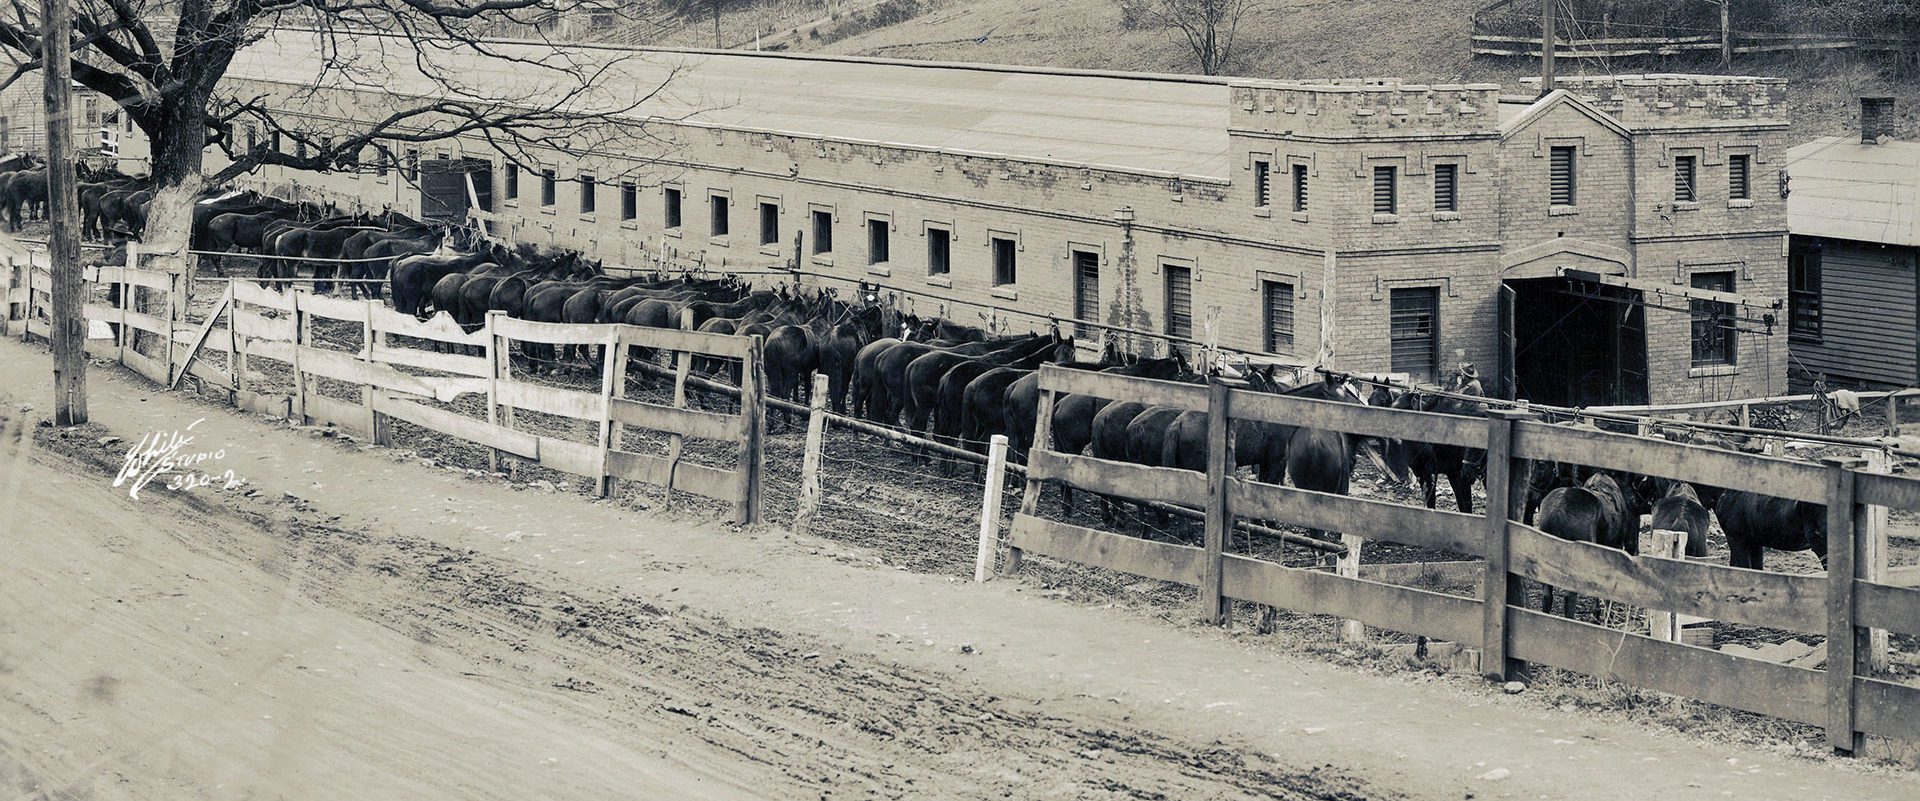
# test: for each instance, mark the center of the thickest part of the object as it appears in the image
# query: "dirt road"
(401, 631)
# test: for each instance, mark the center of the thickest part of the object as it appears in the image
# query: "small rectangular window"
(1386, 190)
(1739, 177)
(278, 146)
(1684, 172)
(1446, 187)
(1005, 270)
(589, 193)
(769, 223)
(1803, 291)
(1713, 322)
(549, 186)
(1300, 187)
(1179, 299)
(1276, 316)
(717, 215)
(939, 251)
(1561, 178)
(380, 161)
(671, 201)
(413, 165)
(822, 231)
(1413, 331)
(300, 147)
(629, 201)
(1086, 285)
(877, 244)
(1260, 183)
(253, 138)
(511, 180)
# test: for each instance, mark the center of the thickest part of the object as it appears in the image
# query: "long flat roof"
(1843, 189)
(1151, 123)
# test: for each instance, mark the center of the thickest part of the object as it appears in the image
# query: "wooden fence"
(250, 322)
(1842, 698)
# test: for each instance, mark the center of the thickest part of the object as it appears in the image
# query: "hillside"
(1281, 39)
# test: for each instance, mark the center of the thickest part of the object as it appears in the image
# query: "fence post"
(810, 463)
(366, 355)
(1844, 651)
(1042, 441)
(676, 443)
(990, 506)
(753, 425)
(299, 407)
(1506, 485)
(1872, 562)
(1893, 414)
(1746, 415)
(1663, 624)
(496, 356)
(1219, 520)
(175, 310)
(611, 368)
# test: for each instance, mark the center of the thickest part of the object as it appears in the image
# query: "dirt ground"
(352, 626)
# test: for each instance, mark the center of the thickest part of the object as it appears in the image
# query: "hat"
(1466, 369)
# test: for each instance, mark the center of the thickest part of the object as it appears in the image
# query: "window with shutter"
(878, 246)
(1260, 183)
(769, 223)
(1414, 330)
(1300, 187)
(1803, 291)
(1561, 177)
(1277, 315)
(1739, 185)
(1386, 199)
(1179, 300)
(1684, 168)
(1005, 270)
(671, 202)
(1446, 187)
(1086, 285)
(1713, 321)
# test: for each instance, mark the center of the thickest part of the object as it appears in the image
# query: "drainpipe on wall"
(1128, 310)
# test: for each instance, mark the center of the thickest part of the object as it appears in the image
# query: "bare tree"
(419, 70)
(1207, 26)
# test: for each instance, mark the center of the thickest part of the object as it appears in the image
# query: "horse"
(1426, 461)
(1597, 512)
(1755, 522)
(1680, 510)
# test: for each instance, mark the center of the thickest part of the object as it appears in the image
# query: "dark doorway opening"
(443, 187)
(1574, 343)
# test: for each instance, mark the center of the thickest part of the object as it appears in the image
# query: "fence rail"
(1844, 605)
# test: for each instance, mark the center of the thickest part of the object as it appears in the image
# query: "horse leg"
(1463, 491)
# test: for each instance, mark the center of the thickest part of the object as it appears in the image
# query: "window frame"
(1702, 354)
(549, 187)
(509, 181)
(1572, 197)
(1268, 333)
(1686, 183)
(821, 235)
(1430, 371)
(1300, 187)
(589, 193)
(1074, 254)
(1168, 271)
(768, 224)
(629, 201)
(719, 214)
(945, 262)
(1799, 256)
(1392, 174)
(1262, 183)
(883, 228)
(1742, 189)
(1006, 271)
(1452, 197)
(673, 208)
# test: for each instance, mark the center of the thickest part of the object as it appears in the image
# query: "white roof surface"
(1168, 124)
(1843, 189)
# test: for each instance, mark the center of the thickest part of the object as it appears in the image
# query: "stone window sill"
(546, 210)
(672, 232)
(1004, 293)
(940, 281)
(630, 225)
(881, 270)
(512, 203)
(1299, 216)
(1385, 219)
(719, 240)
(1446, 216)
(1713, 371)
(1686, 205)
(1562, 211)
(1262, 211)
(589, 217)
(770, 250)
(1740, 203)
(822, 259)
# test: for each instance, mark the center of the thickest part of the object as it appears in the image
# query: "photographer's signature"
(164, 454)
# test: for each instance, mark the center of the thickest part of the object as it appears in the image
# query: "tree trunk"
(178, 149)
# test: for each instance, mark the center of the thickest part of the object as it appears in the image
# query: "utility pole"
(69, 332)
(1546, 46)
(716, 25)
(1726, 34)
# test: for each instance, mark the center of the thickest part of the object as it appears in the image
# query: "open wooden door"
(1504, 344)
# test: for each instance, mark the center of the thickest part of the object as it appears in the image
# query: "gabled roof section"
(1843, 189)
(1559, 97)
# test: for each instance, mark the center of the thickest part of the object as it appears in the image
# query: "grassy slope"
(1426, 41)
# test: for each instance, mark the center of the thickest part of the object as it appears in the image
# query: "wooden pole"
(676, 443)
(69, 331)
(1547, 37)
(1663, 624)
(499, 363)
(1872, 562)
(1219, 520)
(299, 408)
(810, 463)
(753, 414)
(1726, 33)
(1498, 588)
(1042, 441)
(1843, 637)
(611, 384)
(990, 507)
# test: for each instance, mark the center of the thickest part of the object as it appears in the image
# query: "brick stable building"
(1382, 226)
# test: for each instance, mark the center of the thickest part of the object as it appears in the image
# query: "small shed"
(1854, 212)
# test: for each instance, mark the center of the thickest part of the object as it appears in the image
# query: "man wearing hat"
(1466, 381)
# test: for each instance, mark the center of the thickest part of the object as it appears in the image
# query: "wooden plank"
(1737, 595)
(350, 368)
(1884, 489)
(567, 456)
(348, 415)
(333, 308)
(1506, 499)
(151, 279)
(253, 293)
(1442, 429)
(1750, 684)
(1065, 541)
(275, 406)
(1445, 617)
(749, 509)
(1780, 478)
(211, 374)
(250, 324)
(732, 347)
(1106, 385)
(441, 328)
(1885, 606)
(699, 479)
(551, 333)
(270, 349)
(526, 446)
(687, 422)
(1428, 528)
(1888, 709)
(152, 369)
(133, 319)
(1163, 484)
(1904, 576)
(1464, 573)
(217, 340)
(475, 366)
(551, 400)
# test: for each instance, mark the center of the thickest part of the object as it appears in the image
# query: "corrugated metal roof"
(1847, 190)
(1150, 123)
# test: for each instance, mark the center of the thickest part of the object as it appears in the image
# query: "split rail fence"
(395, 380)
(1843, 698)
